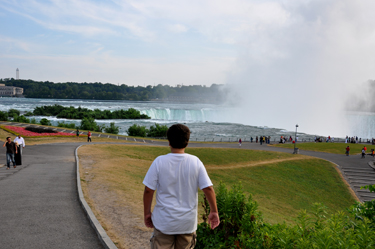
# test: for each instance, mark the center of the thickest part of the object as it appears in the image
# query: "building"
(10, 91)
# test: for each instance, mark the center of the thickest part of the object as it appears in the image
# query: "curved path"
(39, 205)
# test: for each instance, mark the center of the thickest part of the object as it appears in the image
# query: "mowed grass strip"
(335, 148)
(281, 188)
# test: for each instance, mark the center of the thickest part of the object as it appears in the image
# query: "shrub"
(13, 112)
(242, 226)
(3, 116)
(45, 121)
(112, 128)
(33, 121)
(157, 131)
(21, 119)
(66, 125)
(137, 131)
(90, 124)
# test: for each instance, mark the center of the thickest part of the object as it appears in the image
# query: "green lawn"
(335, 148)
(281, 189)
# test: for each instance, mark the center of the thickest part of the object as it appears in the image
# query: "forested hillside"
(107, 91)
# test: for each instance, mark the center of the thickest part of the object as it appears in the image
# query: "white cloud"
(177, 28)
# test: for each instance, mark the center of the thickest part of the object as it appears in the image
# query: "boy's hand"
(213, 220)
(148, 221)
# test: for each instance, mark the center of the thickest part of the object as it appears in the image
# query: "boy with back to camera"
(177, 177)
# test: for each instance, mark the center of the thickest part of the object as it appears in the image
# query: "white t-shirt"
(177, 178)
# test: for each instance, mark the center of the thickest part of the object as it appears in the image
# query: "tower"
(17, 74)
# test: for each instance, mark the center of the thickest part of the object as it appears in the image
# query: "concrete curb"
(102, 235)
(371, 164)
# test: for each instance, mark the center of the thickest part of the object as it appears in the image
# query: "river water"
(206, 122)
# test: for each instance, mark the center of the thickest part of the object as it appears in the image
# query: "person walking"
(240, 142)
(256, 139)
(261, 140)
(347, 150)
(20, 142)
(363, 153)
(77, 134)
(251, 139)
(11, 150)
(176, 178)
(89, 136)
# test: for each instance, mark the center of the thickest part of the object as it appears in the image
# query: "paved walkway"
(39, 205)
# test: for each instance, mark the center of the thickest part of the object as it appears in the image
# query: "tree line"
(79, 113)
(107, 91)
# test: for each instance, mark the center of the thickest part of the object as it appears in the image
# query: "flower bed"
(25, 133)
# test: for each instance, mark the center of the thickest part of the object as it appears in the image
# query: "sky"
(307, 56)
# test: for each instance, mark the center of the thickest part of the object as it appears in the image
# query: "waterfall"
(182, 114)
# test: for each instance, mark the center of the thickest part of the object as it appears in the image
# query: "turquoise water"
(206, 121)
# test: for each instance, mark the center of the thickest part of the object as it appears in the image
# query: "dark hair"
(178, 136)
(8, 137)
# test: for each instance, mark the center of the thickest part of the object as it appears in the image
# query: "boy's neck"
(178, 151)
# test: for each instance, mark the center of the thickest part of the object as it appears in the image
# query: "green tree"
(112, 128)
(3, 116)
(137, 131)
(13, 112)
(157, 131)
(45, 121)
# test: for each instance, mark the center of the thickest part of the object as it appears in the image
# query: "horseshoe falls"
(206, 121)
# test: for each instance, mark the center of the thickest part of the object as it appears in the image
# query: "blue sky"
(189, 42)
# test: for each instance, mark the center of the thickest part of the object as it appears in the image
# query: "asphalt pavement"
(39, 205)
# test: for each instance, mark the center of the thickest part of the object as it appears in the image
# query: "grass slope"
(281, 188)
(335, 148)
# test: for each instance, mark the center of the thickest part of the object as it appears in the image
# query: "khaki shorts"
(160, 240)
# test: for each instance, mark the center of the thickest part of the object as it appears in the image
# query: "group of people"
(353, 140)
(284, 139)
(88, 135)
(364, 150)
(14, 151)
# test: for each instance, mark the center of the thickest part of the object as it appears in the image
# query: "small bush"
(45, 121)
(137, 131)
(242, 226)
(3, 116)
(33, 121)
(90, 124)
(112, 129)
(13, 112)
(66, 125)
(21, 119)
(157, 131)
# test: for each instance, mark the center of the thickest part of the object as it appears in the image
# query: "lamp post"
(295, 140)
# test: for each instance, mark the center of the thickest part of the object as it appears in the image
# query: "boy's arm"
(147, 200)
(213, 217)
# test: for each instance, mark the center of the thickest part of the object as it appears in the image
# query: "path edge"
(100, 232)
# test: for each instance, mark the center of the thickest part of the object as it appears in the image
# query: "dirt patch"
(119, 212)
(234, 166)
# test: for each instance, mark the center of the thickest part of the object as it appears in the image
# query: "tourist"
(11, 150)
(372, 152)
(240, 142)
(77, 134)
(176, 178)
(20, 142)
(261, 140)
(363, 153)
(251, 139)
(347, 150)
(89, 136)
(256, 139)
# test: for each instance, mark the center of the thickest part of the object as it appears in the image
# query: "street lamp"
(295, 140)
